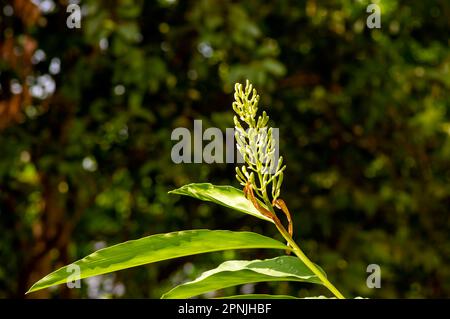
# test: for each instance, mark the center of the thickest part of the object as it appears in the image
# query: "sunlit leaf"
(227, 196)
(259, 296)
(237, 272)
(156, 248)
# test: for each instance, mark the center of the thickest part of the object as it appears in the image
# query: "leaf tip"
(31, 289)
(174, 191)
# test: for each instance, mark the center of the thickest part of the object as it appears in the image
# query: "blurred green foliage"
(363, 116)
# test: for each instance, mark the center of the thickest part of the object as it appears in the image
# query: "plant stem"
(301, 255)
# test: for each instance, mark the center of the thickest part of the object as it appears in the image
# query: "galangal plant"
(261, 177)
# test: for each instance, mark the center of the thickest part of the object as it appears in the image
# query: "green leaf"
(156, 248)
(259, 296)
(264, 296)
(227, 196)
(237, 272)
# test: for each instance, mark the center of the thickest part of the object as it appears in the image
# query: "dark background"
(86, 117)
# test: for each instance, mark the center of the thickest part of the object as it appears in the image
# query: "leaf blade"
(259, 296)
(224, 195)
(157, 248)
(237, 272)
